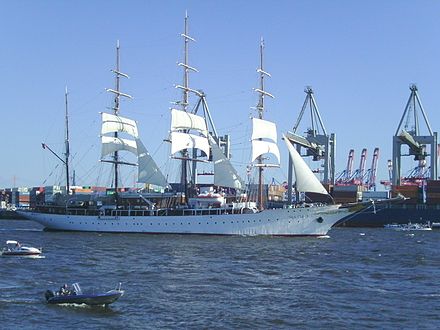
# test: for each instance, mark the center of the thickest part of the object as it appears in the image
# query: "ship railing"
(155, 212)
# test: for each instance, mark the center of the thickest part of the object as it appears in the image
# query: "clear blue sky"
(359, 56)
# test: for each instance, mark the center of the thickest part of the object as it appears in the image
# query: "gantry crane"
(358, 175)
(345, 176)
(408, 133)
(317, 142)
(369, 180)
(387, 183)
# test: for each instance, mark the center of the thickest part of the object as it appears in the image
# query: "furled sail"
(113, 123)
(183, 125)
(225, 174)
(264, 139)
(148, 171)
(306, 181)
(112, 144)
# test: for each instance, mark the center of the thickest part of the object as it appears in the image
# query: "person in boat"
(64, 290)
(17, 245)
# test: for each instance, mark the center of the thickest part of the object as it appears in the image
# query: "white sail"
(264, 139)
(263, 147)
(148, 171)
(182, 120)
(225, 174)
(263, 129)
(113, 123)
(112, 144)
(306, 181)
(181, 141)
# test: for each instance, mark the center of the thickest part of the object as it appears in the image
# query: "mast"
(67, 150)
(189, 162)
(260, 108)
(116, 109)
(65, 161)
(185, 102)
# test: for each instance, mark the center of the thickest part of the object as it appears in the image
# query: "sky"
(360, 57)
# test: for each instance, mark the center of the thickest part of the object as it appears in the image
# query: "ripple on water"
(377, 280)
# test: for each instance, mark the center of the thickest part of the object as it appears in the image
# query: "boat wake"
(21, 229)
(20, 301)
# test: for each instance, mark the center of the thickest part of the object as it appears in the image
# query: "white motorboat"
(14, 248)
(409, 226)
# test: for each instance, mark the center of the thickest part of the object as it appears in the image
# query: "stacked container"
(413, 192)
(347, 193)
(433, 192)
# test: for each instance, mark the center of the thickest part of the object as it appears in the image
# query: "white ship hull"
(303, 221)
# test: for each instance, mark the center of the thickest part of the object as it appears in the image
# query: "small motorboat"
(14, 248)
(76, 296)
(409, 226)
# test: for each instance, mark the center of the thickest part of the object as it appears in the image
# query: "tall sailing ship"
(194, 140)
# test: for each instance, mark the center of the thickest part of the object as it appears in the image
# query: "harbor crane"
(358, 175)
(408, 133)
(387, 183)
(369, 179)
(316, 141)
(345, 176)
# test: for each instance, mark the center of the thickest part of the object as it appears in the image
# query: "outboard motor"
(49, 294)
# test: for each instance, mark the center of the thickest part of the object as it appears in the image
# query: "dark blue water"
(357, 278)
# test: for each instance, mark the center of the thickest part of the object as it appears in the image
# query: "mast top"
(186, 67)
(262, 93)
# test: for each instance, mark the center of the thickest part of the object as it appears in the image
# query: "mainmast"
(67, 150)
(185, 101)
(192, 129)
(116, 109)
(260, 108)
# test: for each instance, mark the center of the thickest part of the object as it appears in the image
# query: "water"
(356, 278)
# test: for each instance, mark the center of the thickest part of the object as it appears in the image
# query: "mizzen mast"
(65, 161)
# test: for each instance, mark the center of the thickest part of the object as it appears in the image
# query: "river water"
(356, 278)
